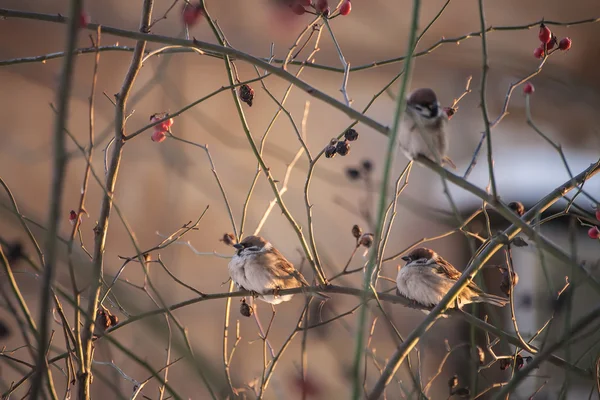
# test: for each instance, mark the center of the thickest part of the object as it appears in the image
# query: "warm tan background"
(162, 186)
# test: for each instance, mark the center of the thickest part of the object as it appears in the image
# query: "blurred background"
(163, 186)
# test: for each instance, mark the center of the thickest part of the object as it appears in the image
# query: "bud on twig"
(245, 309)
(228, 239)
(366, 240)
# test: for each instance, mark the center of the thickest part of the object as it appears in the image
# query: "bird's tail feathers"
(492, 299)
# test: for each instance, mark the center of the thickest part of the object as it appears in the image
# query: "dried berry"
(342, 148)
(528, 88)
(330, 151)
(594, 233)
(298, 9)
(353, 173)
(366, 240)
(517, 206)
(84, 19)
(538, 52)
(246, 94)
(346, 7)
(519, 362)
(158, 136)
(228, 239)
(245, 309)
(453, 382)
(191, 14)
(351, 135)
(114, 320)
(72, 217)
(323, 7)
(565, 44)
(102, 319)
(356, 231)
(450, 112)
(505, 284)
(545, 34)
(367, 165)
(505, 363)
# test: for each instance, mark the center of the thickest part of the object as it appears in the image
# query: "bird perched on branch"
(258, 266)
(423, 128)
(427, 277)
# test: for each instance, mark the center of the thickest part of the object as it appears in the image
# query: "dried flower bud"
(330, 151)
(351, 135)
(367, 165)
(453, 382)
(505, 285)
(504, 363)
(102, 319)
(245, 309)
(342, 148)
(353, 173)
(356, 232)
(228, 239)
(517, 207)
(366, 240)
(246, 94)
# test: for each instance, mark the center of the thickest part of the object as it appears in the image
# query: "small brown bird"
(258, 266)
(427, 277)
(423, 128)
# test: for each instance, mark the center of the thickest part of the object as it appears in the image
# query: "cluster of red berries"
(160, 129)
(299, 7)
(192, 13)
(341, 147)
(594, 231)
(549, 41)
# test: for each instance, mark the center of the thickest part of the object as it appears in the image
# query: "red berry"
(298, 9)
(598, 214)
(565, 43)
(72, 217)
(550, 45)
(538, 52)
(323, 7)
(191, 14)
(528, 88)
(158, 136)
(545, 34)
(594, 233)
(84, 19)
(346, 7)
(163, 126)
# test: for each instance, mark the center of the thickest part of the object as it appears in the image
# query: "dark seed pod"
(330, 151)
(114, 320)
(353, 173)
(228, 239)
(356, 231)
(517, 207)
(102, 319)
(505, 285)
(367, 165)
(246, 94)
(245, 309)
(342, 148)
(453, 382)
(351, 135)
(519, 362)
(366, 240)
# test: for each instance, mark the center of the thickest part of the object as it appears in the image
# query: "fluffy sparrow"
(427, 277)
(258, 266)
(423, 128)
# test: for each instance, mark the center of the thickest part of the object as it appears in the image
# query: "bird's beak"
(238, 246)
(406, 258)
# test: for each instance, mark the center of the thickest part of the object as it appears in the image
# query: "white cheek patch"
(268, 246)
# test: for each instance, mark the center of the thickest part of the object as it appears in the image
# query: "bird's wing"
(285, 269)
(447, 269)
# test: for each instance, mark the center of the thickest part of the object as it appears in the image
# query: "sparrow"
(258, 266)
(423, 128)
(427, 277)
